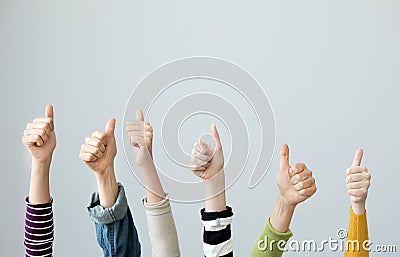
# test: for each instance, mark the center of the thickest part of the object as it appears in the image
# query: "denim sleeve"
(115, 230)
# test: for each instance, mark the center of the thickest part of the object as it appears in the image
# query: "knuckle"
(98, 152)
(98, 143)
(301, 166)
(42, 133)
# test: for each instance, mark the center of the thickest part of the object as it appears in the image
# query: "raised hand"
(358, 181)
(140, 135)
(296, 183)
(207, 161)
(99, 150)
(39, 137)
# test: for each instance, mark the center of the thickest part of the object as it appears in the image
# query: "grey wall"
(331, 70)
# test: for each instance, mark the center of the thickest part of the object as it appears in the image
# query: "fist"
(39, 137)
(99, 150)
(358, 181)
(295, 183)
(207, 161)
(140, 134)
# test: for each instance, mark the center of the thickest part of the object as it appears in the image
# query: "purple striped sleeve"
(39, 229)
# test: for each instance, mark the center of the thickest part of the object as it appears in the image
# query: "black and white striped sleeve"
(39, 229)
(217, 236)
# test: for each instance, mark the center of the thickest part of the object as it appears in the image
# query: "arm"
(141, 137)
(207, 162)
(108, 207)
(160, 220)
(296, 185)
(40, 140)
(357, 182)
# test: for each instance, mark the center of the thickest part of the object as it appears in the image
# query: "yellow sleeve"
(357, 236)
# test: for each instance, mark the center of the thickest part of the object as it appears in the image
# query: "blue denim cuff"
(101, 215)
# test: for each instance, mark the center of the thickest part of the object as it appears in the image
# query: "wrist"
(214, 189)
(145, 162)
(107, 187)
(105, 173)
(285, 205)
(282, 214)
(40, 168)
(217, 181)
(41, 163)
(358, 208)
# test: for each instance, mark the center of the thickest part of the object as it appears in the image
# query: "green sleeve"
(271, 242)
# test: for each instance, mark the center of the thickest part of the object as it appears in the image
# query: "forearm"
(154, 190)
(282, 215)
(107, 187)
(39, 189)
(276, 232)
(214, 189)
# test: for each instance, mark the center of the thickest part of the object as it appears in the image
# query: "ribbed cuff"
(363, 215)
(273, 234)
(101, 215)
(207, 216)
(41, 205)
(159, 208)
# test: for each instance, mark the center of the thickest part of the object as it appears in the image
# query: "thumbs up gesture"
(39, 137)
(140, 135)
(99, 150)
(358, 181)
(207, 161)
(295, 183)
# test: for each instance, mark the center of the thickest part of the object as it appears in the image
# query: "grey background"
(330, 69)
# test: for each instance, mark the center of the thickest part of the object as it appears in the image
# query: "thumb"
(358, 157)
(139, 115)
(284, 161)
(110, 126)
(49, 111)
(215, 135)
